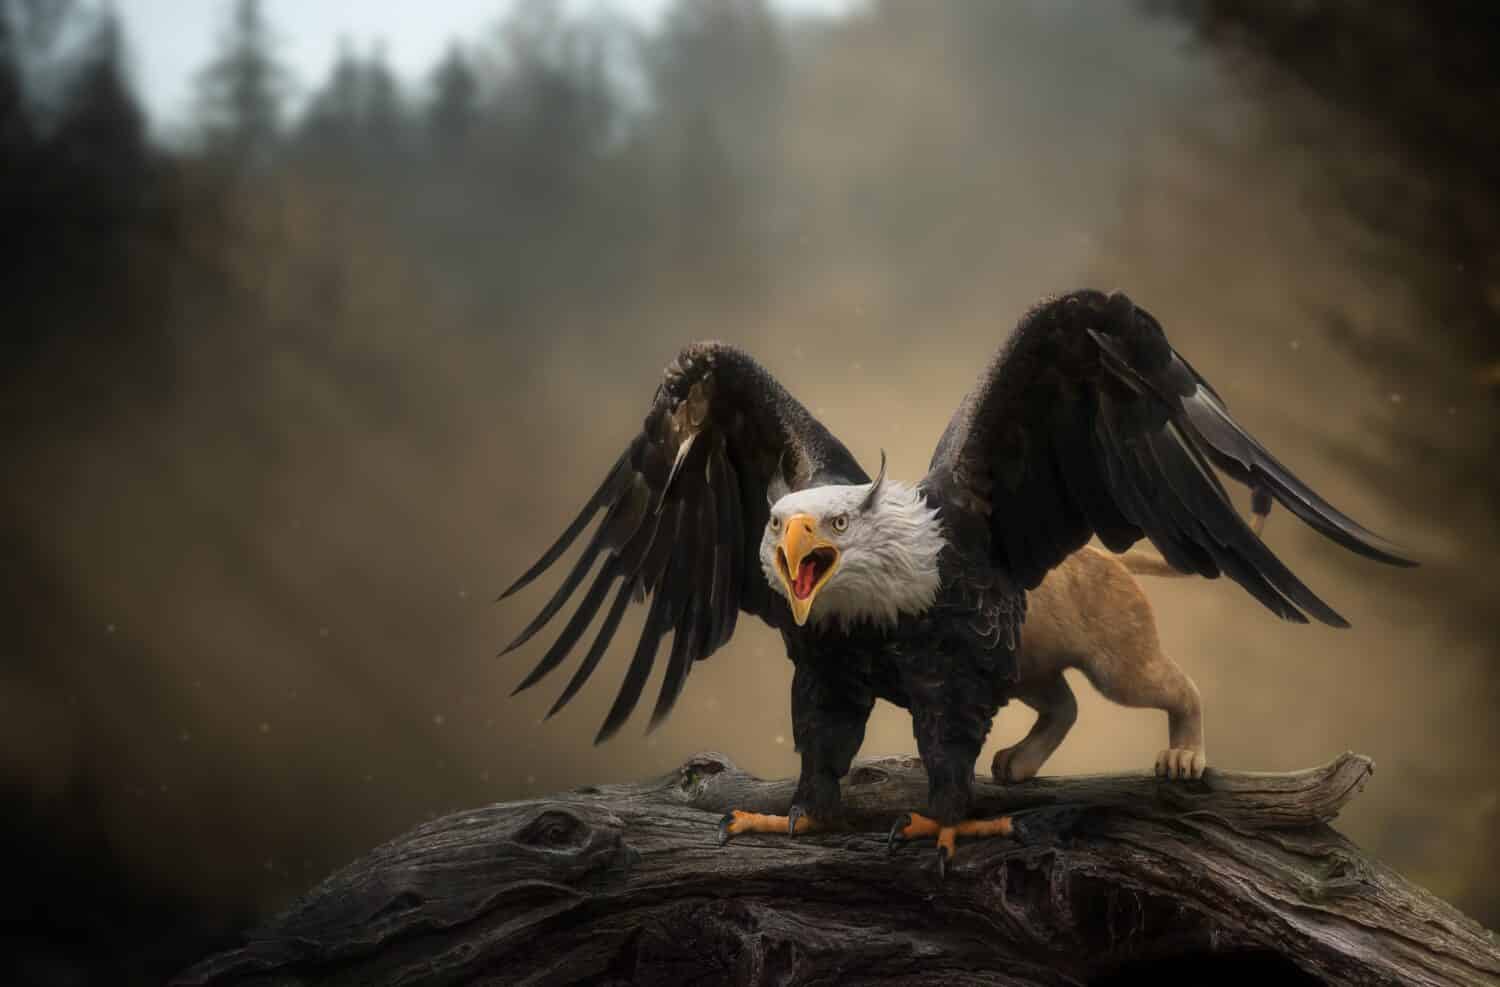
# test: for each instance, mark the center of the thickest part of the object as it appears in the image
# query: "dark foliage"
(1423, 83)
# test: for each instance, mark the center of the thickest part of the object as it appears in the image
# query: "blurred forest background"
(289, 397)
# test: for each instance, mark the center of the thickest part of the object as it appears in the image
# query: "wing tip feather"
(523, 580)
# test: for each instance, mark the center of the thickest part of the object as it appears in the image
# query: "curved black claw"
(894, 839)
(943, 859)
(724, 834)
(792, 815)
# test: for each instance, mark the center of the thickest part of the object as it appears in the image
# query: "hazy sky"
(171, 39)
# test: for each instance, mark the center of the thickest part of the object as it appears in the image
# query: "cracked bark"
(625, 884)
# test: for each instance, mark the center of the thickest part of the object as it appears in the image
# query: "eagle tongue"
(806, 574)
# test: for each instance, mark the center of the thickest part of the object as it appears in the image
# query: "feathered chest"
(972, 628)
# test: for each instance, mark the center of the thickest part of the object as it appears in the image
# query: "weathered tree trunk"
(626, 884)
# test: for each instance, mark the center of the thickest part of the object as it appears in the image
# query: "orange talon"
(914, 826)
(999, 826)
(918, 827)
(738, 822)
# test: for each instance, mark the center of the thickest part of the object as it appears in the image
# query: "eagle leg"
(828, 725)
(737, 822)
(914, 826)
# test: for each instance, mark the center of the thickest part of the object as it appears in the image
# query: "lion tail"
(1142, 562)
(1145, 563)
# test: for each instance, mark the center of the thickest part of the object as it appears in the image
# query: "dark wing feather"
(606, 493)
(691, 632)
(596, 650)
(727, 566)
(669, 597)
(684, 509)
(1089, 423)
(579, 622)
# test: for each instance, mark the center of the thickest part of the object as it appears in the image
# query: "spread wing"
(1088, 422)
(684, 510)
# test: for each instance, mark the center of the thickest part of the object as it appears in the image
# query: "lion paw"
(1180, 762)
(1013, 765)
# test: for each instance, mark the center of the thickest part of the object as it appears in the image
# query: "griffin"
(733, 499)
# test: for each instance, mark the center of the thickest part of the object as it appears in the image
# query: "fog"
(259, 525)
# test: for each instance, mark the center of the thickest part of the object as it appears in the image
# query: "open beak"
(805, 562)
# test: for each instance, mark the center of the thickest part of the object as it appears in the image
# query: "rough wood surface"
(626, 884)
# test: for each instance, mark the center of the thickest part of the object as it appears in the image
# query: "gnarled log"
(625, 884)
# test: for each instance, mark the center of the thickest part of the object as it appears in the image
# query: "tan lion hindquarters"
(1090, 614)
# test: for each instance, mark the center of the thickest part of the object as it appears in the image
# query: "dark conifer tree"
(16, 131)
(382, 122)
(240, 93)
(329, 130)
(454, 110)
(101, 129)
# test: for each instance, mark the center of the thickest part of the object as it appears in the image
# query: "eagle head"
(866, 551)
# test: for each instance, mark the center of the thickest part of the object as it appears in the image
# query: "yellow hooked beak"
(805, 562)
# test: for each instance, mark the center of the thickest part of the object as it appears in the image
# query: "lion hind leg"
(1150, 679)
(1057, 711)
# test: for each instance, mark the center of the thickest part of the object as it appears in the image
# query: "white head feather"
(888, 555)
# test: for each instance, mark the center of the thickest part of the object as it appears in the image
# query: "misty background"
(299, 374)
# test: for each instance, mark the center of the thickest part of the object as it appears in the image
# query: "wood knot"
(404, 902)
(1342, 874)
(864, 774)
(699, 768)
(892, 762)
(554, 829)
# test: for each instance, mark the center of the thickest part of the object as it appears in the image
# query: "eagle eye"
(839, 522)
(775, 523)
